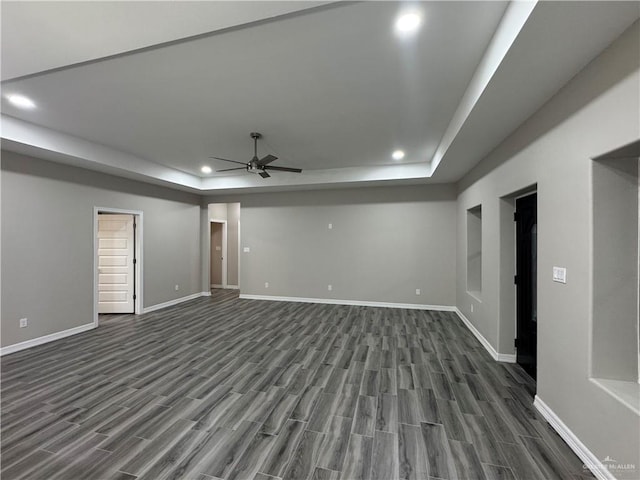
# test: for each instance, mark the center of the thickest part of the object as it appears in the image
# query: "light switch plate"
(246, 249)
(560, 274)
(218, 248)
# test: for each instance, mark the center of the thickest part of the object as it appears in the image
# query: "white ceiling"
(331, 87)
(44, 35)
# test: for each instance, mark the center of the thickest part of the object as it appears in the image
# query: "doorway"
(526, 218)
(218, 254)
(117, 262)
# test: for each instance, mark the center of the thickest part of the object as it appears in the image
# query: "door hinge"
(515, 279)
(134, 296)
(515, 342)
(135, 261)
(515, 216)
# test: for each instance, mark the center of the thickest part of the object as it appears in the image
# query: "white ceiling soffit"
(549, 44)
(46, 35)
(29, 139)
(558, 40)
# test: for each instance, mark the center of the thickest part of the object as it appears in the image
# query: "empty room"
(289, 240)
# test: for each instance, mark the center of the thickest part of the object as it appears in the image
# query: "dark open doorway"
(526, 285)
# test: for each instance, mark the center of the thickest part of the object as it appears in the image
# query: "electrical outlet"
(329, 287)
(246, 249)
(266, 284)
(23, 322)
(472, 308)
(331, 226)
(177, 287)
(418, 292)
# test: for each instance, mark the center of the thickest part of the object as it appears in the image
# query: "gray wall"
(595, 113)
(385, 243)
(47, 243)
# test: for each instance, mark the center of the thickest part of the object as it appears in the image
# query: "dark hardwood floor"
(242, 389)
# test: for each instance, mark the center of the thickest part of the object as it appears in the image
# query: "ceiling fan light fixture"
(398, 155)
(408, 23)
(206, 169)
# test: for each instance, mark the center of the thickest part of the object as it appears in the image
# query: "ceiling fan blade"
(227, 160)
(264, 174)
(229, 169)
(283, 169)
(267, 159)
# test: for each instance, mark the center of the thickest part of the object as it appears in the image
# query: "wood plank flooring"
(223, 388)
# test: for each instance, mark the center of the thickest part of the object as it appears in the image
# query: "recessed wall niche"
(474, 251)
(615, 335)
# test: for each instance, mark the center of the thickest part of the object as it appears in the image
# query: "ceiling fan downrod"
(255, 136)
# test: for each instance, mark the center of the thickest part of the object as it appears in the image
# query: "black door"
(526, 286)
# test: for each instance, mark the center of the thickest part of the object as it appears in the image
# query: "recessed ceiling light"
(408, 23)
(206, 169)
(397, 155)
(21, 101)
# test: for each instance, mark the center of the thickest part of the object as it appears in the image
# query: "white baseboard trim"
(499, 357)
(175, 301)
(361, 303)
(506, 358)
(590, 460)
(16, 347)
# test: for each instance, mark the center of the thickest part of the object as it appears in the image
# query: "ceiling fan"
(258, 166)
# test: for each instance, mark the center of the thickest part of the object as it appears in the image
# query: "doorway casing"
(138, 268)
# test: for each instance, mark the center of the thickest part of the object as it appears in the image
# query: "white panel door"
(115, 263)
